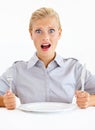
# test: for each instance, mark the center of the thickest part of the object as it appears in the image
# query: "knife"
(83, 77)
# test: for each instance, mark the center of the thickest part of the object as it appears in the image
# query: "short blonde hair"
(42, 13)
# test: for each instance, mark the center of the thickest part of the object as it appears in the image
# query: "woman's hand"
(82, 99)
(9, 100)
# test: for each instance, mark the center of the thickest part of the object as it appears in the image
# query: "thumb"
(76, 92)
(8, 92)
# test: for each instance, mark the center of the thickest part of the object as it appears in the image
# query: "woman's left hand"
(82, 99)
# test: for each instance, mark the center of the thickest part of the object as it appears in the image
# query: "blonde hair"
(42, 13)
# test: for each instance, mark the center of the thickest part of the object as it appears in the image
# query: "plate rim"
(70, 107)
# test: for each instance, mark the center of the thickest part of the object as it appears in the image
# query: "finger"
(82, 94)
(82, 105)
(82, 99)
(77, 92)
(8, 92)
(9, 95)
(10, 104)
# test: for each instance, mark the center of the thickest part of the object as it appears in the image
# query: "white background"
(78, 24)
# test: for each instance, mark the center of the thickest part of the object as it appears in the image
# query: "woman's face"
(45, 35)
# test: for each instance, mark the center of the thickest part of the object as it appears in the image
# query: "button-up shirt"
(33, 82)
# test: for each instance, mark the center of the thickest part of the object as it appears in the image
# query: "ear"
(30, 31)
(60, 32)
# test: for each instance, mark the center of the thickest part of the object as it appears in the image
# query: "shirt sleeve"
(4, 84)
(89, 84)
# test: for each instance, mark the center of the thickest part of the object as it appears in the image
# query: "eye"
(52, 30)
(38, 31)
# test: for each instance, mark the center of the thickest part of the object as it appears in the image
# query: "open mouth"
(45, 46)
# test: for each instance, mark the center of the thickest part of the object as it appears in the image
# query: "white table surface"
(77, 119)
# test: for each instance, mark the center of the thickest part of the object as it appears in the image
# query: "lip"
(45, 46)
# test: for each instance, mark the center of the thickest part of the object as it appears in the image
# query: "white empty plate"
(46, 107)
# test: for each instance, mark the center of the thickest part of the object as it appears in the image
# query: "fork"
(83, 77)
(10, 79)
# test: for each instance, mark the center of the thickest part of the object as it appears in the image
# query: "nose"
(45, 37)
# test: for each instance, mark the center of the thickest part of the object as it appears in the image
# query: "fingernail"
(8, 93)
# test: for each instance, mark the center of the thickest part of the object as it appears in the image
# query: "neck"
(46, 59)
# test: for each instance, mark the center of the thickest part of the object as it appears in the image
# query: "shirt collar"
(58, 59)
(33, 61)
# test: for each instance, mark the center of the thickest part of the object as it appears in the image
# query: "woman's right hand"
(9, 100)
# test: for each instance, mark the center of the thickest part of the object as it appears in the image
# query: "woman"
(46, 77)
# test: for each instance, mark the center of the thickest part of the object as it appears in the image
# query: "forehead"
(46, 22)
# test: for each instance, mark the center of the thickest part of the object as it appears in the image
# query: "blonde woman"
(46, 77)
